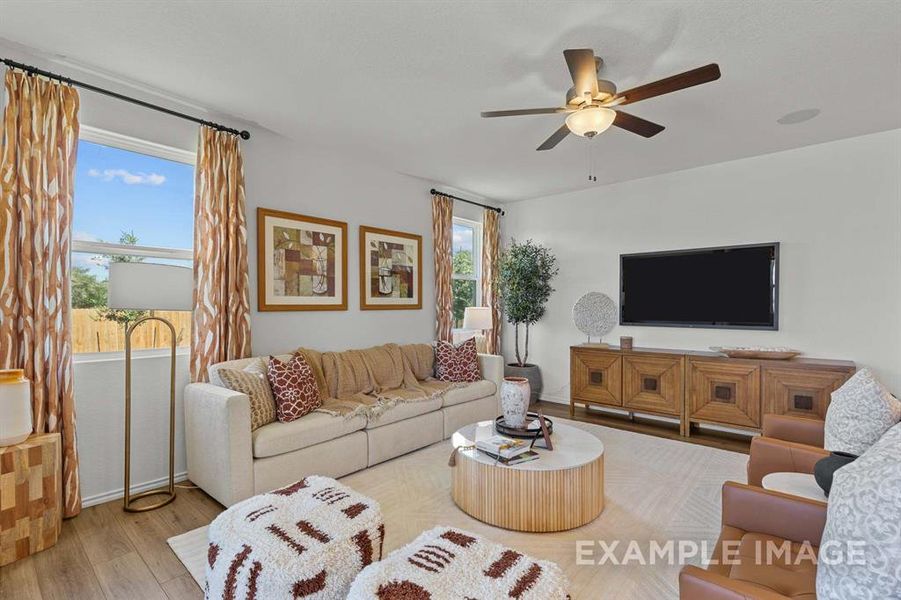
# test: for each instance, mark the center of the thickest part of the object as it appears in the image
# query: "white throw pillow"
(859, 413)
(860, 552)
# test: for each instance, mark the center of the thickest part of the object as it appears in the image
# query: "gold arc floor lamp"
(147, 286)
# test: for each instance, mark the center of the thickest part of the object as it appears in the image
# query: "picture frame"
(390, 269)
(301, 262)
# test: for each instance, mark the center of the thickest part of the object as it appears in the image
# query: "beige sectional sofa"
(230, 462)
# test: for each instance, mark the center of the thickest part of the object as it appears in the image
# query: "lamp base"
(129, 504)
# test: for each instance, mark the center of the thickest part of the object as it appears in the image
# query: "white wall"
(835, 208)
(279, 174)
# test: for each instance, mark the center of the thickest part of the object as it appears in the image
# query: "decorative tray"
(531, 430)
(757, 352)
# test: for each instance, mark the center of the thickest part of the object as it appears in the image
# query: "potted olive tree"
(524, 281)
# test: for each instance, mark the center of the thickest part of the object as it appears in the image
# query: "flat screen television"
(733, 287)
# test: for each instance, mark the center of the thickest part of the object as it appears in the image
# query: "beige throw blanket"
(369, 382)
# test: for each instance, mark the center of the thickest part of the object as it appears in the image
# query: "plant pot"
(515, 397)
(530, 372)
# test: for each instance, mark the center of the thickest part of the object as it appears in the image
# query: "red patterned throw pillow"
(294, 388)
(457, 363)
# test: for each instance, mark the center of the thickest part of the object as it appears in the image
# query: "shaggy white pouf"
(306, 540)
(450, 563)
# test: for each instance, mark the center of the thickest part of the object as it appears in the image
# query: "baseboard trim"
(119, 493)
(552, 398)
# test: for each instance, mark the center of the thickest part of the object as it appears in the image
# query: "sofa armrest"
(773, 513)
(769, 455)
(800, 430)
(697, 584)
(218, 442)
(492, 367)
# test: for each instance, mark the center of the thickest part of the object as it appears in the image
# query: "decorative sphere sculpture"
(595, 314)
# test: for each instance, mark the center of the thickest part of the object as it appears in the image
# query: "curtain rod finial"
(245, 135)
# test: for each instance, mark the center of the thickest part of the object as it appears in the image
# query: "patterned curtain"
(220, 327)
(40, 140)
(491, 250)
(442, 235)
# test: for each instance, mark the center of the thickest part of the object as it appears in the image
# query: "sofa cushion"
(864, 505)
(294, 388)
(360, 371)
(239, 364)
(469, 392)
(404, 410)
(420, 358)
(253, 382)
(309, 430)
(859, 413)
(457, 363)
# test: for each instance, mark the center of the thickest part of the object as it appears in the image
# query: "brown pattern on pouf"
(450, 563)
(295, 542)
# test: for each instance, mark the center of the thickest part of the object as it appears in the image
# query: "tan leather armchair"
(753, 517)
(788, 444)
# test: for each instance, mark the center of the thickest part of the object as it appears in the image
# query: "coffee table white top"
(796, 484)
(572, 447)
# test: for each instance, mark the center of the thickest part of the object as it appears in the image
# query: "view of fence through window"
(131, 205)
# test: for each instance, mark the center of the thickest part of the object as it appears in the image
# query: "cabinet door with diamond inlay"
(800, 392)
(653, 384)
(596, 376)
(727, 393)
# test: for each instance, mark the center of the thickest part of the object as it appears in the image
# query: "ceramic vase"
(15, 407)
(515, 395)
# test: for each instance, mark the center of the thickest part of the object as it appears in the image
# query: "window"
(134, 202)
(467, 267)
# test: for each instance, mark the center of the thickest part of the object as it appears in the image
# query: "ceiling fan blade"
(675, 83)
(522, 111)
(555, 138)
(637, 125)
(584, 71)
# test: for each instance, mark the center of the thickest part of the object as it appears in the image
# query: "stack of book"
(507, 451)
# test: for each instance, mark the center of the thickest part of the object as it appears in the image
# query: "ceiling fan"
(590, 102)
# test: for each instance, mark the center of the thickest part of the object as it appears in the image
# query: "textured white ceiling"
(401, 84)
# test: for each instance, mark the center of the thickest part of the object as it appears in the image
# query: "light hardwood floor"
(655, 488)
(106, 553)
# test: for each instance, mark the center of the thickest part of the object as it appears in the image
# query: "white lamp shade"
(476, 318)
(147, 286)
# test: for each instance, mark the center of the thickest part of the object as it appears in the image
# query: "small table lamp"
(477, 318)
(146, 286)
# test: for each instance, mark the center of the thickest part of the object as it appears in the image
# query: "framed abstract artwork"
(301, 262)
(390, 269)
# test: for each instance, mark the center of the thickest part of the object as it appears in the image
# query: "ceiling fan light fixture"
(590, 121)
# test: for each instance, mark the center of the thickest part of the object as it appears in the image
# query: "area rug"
(657, 491)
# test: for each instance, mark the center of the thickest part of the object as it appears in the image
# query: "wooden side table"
(30, 496)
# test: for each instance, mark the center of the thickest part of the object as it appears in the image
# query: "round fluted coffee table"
(561, 490)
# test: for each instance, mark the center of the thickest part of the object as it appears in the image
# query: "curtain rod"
(433, 191)
(245, 135)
